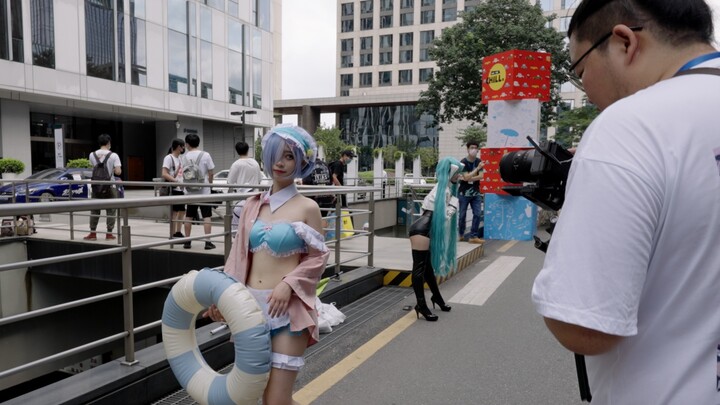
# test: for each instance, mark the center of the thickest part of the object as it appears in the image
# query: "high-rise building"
(382, 57)
(143, 71)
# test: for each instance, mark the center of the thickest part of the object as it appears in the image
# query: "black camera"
(543, 172)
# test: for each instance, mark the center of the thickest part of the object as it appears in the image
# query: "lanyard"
(698, 60)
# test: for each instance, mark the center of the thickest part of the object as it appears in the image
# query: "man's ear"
(622, 34)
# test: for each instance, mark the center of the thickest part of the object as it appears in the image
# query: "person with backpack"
(172, 173)
(197, 167)
(106, 166)
(320, 176)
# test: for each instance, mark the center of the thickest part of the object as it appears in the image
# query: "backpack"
(192, 174)
(320, 176)
(101, 172)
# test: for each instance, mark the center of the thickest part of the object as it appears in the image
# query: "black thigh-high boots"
(420, 260)
(431, 281)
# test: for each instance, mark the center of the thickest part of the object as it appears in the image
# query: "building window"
(366, 59)
(545, 5)
(233, 8)
(347, 26)
(385, 58)
(564, 24)
(425, 74)
(366, 43)
(206, 70)
(407, 3)
(425, 3)
(386, 5)
(347, 9)
(386, 21)
(424, 54)
(406, 19)
(406, 39)
(346, 45)
(105, 39)
(366, 7)
(449, 14)
(386, 41)
(263, 14)
(138, 43)
(567, 87)
(256, 83)
(216, 4)
(406, 56)
(346, 61)
(385, 78)
(43, 33)
(235, 35)
(449, 2)
(11, 30)
(426, 37)
(427, 17)
(366, 79)
(236, 84)
(346, 80)
(177, 62)
(405, 77)
(206, 24)
(366, 23)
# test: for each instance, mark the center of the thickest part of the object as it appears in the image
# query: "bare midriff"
(267, 270)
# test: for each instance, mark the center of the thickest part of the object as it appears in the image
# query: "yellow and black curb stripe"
(402, 278)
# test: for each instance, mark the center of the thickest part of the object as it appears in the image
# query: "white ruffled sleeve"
(312, 238)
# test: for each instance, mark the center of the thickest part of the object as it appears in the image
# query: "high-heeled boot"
(420, 258)
(431, 281)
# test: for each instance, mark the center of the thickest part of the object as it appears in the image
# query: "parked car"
(222, 176)
(42, 186)
(409, 179)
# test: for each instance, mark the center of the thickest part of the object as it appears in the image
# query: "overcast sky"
(308, 50)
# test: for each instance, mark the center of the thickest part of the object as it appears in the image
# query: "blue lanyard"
(700, 59)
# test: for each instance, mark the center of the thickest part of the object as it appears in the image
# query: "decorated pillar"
(513, 86)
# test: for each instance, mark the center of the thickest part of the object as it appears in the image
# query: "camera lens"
(515, 166)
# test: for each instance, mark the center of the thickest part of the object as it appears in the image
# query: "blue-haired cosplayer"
(432, 237)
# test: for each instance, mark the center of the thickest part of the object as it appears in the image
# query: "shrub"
(10, 165)
(81, 163)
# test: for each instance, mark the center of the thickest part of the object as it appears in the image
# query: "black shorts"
(421, 226)
(192, 211)
(177, 207)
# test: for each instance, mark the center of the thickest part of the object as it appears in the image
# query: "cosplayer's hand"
(214, 313)
(279, 300)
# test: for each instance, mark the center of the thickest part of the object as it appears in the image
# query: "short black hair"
(242, 148)
(104, 139)
(177, 142)
(193, 140)
(471, 143)
(677, 22)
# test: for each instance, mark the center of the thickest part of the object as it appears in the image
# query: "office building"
(143, 71)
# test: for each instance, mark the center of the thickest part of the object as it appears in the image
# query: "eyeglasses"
(576, 79)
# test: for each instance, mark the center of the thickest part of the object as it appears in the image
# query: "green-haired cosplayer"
(432, 237)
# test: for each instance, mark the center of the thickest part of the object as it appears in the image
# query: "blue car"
(42, 186)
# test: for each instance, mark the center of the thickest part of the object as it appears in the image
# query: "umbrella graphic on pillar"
(509, 132)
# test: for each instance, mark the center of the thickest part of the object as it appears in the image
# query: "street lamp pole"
(242, 114)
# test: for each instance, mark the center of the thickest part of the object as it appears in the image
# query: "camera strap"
(701, 71)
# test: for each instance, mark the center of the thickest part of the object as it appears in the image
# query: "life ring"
(193, 293)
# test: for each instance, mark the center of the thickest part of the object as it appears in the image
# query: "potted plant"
(10, 168)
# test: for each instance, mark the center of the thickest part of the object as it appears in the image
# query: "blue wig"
(302, 145)
(443, 233)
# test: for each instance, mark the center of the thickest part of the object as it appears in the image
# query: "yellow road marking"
(332, 376)
(504, 248)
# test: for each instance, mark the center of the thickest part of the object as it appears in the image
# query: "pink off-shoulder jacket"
(303, 279)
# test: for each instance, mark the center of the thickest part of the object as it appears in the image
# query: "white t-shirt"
(244, 171)
(112, 162)
(636, 250)
(206, 164)
(174, 166)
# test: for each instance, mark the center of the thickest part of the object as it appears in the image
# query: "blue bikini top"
(284, 238)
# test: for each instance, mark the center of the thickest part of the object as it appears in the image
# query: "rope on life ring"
(193, 293)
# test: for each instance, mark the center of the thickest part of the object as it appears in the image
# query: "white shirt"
(174, 166)
(244, 171)
(636, 251)
(112, 162)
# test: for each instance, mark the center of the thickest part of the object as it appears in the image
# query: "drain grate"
(357, 314)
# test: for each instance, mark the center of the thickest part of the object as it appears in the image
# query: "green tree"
(428, 158)
(492, 27)
(329, 138)
(473, 133)
(571, 124)
(258, 150)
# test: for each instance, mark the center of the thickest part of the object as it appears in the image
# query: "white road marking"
(480, 288)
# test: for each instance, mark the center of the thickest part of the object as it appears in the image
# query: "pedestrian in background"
(197, 159)
(113, 166)
(337, 168)
(632, 274)
(432, 237)
(172, 173)
(245, 170)
(469, 194)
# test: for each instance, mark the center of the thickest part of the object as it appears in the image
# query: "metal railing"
(75, 207)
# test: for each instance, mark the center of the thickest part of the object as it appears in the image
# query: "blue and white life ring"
(193, 293)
